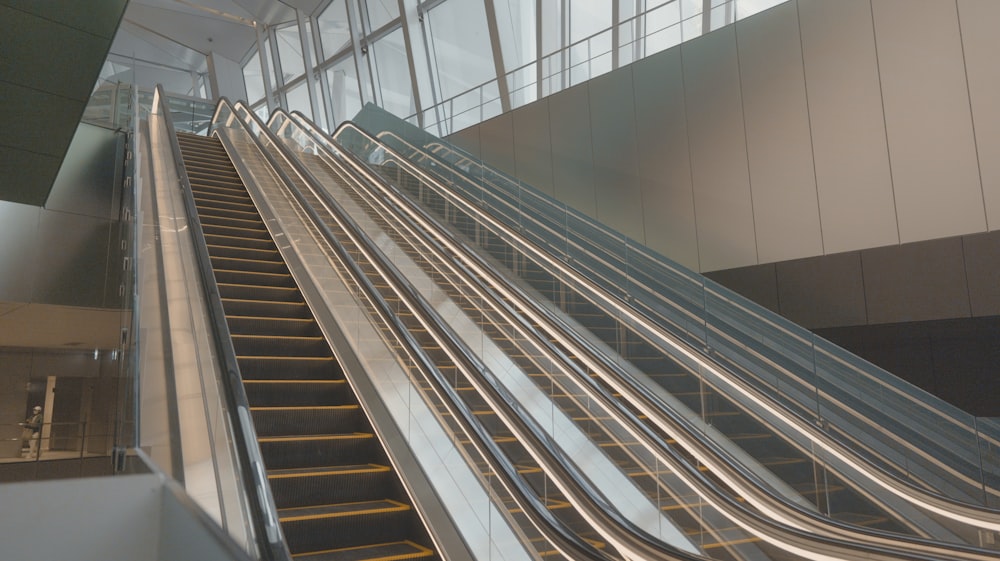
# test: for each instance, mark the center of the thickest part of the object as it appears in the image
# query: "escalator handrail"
(564, 539)
(875, 538)
(760, 315)
(967, 512)
(263, 513)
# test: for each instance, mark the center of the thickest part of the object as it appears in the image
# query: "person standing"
(32, 426)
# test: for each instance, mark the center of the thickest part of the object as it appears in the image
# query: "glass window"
(297, 99)
(253, 79)
(381, 12)
(516, 28)
(552, 26)
(460, 47)
(272, 70)
(345, 95)
(334, 29)
(392, 73)
(290, 52)
(747, 8)
(662, 28)
(588, 17)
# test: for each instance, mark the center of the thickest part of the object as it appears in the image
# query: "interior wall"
(85, 392)
(226, 78)
(813, 128)
(67, 253)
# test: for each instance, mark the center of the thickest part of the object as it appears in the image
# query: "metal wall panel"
(782, 176)
(853, 178)
(757, 282)
(982, 256)
(19, 249)
(663, 158)
(88, 178)
(71, 270)
(468, 140)
(928, 119)
(616, 166)
(533, 146)
(824, 291)
(722, 200)
(572, 157)
(980, 42)
(496, 138)
(916, 282)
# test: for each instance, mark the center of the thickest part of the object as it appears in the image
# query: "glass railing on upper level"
(895, 425)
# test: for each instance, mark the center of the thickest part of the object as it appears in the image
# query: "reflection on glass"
(290, 52)
(381, 12)
(516, 30)
(345, 94)
(393, 74)
(298, 99)
(253, 79)
(334, 28)
(460, 47)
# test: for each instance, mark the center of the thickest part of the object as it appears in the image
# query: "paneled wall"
(813, 128)
(67, 253)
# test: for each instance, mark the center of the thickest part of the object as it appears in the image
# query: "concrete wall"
(813, 128)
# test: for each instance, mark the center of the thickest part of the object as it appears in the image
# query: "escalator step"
(272, 393)
(258, 292)
(237, 231)
(238, 241)
(252, 265)
(230, 276)
(390, 551)
(308, 420)
(338, 526)
(265, 308)
(289, 327)
(243, 252)
(329, 485)
(283, 452)
(289, 368)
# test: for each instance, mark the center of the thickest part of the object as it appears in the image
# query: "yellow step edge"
(299, 320)
(421, 552)
(294, 381)
(274, 357)
(397, 507)
(238, 248)
(279, 262)
(372, 468)
(285, 288)
(282, 337)
(253, 273)
(265, 301)
(350, 436)
(305, 408)
(237, 238)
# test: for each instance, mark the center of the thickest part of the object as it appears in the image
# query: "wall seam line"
(746, 141)
(687, 139)
(972, 117)
(885, 123)
(812, 145)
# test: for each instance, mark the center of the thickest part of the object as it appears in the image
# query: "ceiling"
(179, 34)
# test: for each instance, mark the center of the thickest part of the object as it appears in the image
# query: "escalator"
(336, 494)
